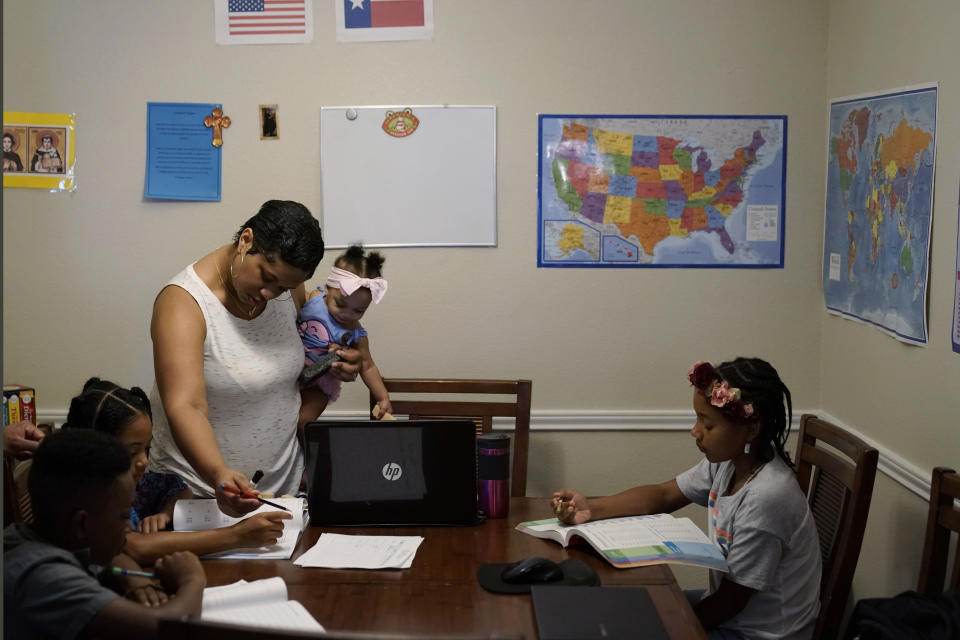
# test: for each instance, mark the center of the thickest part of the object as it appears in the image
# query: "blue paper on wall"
(182, 162)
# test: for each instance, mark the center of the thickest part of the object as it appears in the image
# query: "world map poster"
(661, 191)
(879, 205)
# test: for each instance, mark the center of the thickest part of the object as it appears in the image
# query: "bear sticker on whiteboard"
(400, 124)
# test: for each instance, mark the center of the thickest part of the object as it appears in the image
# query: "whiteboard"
(436, 186)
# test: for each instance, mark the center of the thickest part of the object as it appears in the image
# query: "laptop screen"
(395, 472)
(400, 450)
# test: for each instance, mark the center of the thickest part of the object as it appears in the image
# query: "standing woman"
(227, 356)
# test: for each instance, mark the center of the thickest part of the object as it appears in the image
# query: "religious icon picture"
(39, 150)
(47, 145)
(268, 122)
(14, 149)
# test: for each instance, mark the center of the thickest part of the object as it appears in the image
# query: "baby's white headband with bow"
(349, 282)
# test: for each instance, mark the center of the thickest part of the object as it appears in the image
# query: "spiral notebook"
(404, 472)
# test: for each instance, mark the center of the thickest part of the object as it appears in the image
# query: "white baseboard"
(910, 476)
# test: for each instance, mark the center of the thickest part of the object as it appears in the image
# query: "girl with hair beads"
(332, 315)
(757, 514)
(126, 415)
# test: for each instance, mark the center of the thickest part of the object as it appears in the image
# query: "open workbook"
(261, 603)
(635, 541)
(203, 514)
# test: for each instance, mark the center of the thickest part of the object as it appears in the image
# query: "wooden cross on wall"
(218, 121)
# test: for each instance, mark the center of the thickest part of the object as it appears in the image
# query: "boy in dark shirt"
(81, 489)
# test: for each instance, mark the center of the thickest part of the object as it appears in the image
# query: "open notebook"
(261, 603)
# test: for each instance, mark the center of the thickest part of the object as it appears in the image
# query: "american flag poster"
(368, 20)
(263, 21)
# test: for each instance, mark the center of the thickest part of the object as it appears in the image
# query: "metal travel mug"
(493, 474)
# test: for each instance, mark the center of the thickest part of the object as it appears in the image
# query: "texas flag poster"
(370, 20)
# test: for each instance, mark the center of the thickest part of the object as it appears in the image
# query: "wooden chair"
(482, 412)
(16, 499)
(942, 520)
(838, 482)
(194, 629)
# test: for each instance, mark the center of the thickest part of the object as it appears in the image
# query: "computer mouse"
(532, 570)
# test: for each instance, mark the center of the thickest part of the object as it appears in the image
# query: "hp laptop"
(413, 472)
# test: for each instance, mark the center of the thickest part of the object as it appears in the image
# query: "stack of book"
(19, 403)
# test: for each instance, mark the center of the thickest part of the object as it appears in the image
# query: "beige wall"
(904, 398)
(81, 270)
(612, 339)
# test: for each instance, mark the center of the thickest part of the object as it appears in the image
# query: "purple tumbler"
(493, 474)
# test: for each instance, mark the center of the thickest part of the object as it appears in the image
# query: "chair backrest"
(411, 397)
(838, 481)
(194, 629)
(16, 499)
(942, 520)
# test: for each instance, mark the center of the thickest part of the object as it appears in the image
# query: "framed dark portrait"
(268, 122)
(14, 149)
(47, 149)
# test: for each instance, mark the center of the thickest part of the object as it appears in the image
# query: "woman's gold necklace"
(226, 289)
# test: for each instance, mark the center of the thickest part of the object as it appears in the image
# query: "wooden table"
(440, 592)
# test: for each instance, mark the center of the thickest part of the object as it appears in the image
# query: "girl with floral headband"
(332, 315)
(757, 514)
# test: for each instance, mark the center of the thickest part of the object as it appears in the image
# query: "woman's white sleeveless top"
(251, 369)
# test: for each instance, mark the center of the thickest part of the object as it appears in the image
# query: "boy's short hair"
(72, 469)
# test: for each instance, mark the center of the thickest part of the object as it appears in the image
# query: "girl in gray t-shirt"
(757, 514)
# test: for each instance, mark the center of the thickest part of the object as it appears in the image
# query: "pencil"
(238, 492)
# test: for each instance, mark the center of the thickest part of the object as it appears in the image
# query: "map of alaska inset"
(661, 191)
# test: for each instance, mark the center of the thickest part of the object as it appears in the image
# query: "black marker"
(256, 476)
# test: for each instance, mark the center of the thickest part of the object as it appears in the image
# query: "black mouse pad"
(610, 613)
(575, 573)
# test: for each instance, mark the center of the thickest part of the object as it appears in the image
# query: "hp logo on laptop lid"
(392, 471)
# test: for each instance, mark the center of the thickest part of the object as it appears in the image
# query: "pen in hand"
(229, 488)
(117, 571)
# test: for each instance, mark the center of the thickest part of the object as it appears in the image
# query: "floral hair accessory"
(706, 380)
(702, 375)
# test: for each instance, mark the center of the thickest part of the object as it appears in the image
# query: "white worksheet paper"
(336, 551)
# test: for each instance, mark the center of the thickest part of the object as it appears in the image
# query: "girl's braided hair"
(760, 384)
(749, 390)
(106, 406)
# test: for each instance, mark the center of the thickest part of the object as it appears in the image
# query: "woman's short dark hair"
(286, 230)
(107, 407)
